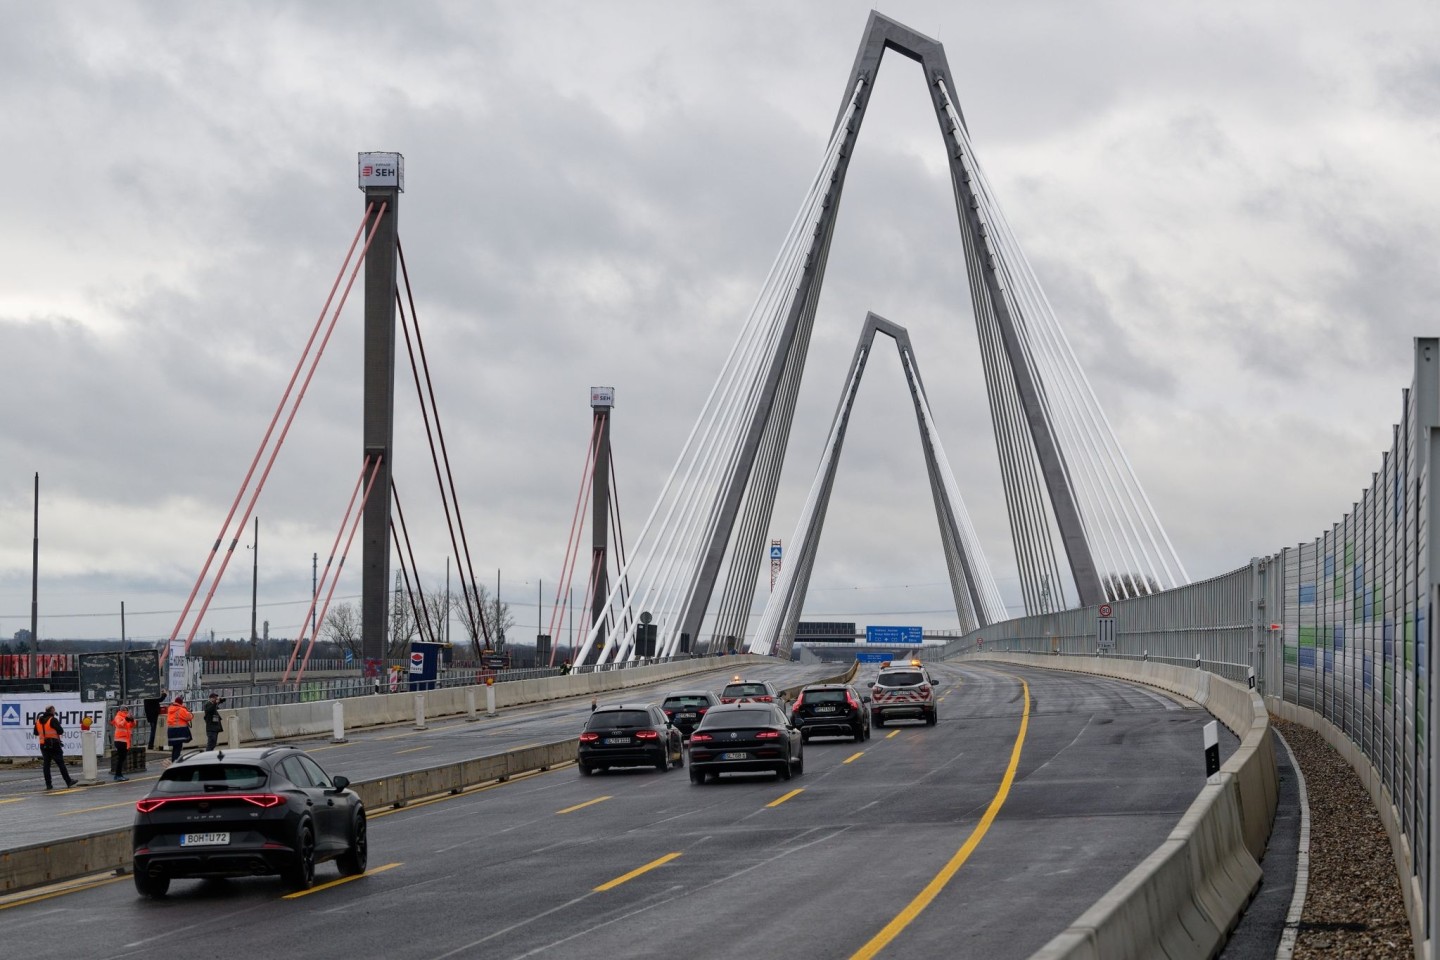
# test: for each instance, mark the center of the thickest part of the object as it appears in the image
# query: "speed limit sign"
(1105, 610)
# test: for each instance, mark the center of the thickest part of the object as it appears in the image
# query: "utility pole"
(35, 588)
(499, 627)
(314, 589)
(254, 595)
(447, 598)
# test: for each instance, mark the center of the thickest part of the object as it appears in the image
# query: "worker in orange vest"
(177, 726)
(123, 727)
(52, 748)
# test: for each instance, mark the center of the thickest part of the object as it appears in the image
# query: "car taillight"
(145, 806)
(669, 713)
(700, 711)
(766, 699)
(647, 734)
(798, 700)
(589, 737)
(850, 699)
(768, 735)
(925, 691)
(264, 800)
(700, 738)
(727, 699)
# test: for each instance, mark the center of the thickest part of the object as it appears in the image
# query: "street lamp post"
(254, 594)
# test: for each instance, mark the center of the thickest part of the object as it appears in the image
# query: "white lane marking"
(1286, 949)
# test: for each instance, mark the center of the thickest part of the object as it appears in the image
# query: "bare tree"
(496, 617)
(342, 628)
(403, 626)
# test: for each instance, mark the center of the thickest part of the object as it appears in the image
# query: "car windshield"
(824, 696)
(211, 776)
(746, 690)
(605, 719)
(677, 703)
(901, 678)
(732, 719)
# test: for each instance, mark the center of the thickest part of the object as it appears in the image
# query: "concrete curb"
(1183, 900)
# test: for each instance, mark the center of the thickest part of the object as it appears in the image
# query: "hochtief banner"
(17, 722)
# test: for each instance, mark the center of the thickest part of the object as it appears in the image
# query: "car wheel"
(784, 770)
(800, 765)
(932, 718)
(663, 762)
(878, 720)
(151, 886)
(300, 875)
(679, 758)
(354, 860)
(697, 776)
(584, 768)
(859, 734)
(804, 736)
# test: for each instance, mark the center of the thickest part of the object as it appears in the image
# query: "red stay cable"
(572, 542)
(244, 484)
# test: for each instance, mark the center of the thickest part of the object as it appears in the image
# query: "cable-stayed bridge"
(1334, 633)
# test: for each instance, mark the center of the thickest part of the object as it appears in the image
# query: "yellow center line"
(581, 806)
(623, 878)
(792, 793)
(77, 888)
(855, 756)
(411, 750)
(892, 734)
(335, 883)
(13, 800)
(932, 889)
(108, 806)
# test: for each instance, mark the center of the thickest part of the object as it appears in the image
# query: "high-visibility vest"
(123, 726)
(45, 729)
(177, 716)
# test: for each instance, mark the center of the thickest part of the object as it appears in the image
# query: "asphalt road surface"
(980, 837)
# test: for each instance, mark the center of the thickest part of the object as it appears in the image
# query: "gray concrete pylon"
(379, 417)
(969, 607)
(882, 33)
(600, 528)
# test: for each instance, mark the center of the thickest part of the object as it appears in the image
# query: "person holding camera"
(213, 724)
(52, 747)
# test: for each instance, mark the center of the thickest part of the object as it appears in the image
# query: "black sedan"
(686, 708)
(627, 735)
(240, 813)
(745, 737)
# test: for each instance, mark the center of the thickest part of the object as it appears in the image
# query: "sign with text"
(897, 636)
(17, 721)
(382, 170)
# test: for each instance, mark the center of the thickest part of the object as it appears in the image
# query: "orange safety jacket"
(177, 716)
(45, 729)
(123, 726)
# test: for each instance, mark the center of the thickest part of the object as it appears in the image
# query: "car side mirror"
(340, 783)
(869, 683)
(865, 698)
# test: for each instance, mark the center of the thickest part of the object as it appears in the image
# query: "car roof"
(732, 707)
(689, 693)
(622, 706)
(826, 686)
(250, 754)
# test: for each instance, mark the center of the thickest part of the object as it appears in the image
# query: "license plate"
(617, 739)
(826, 709)
(204, 839)
(687, 716)
(742, 755)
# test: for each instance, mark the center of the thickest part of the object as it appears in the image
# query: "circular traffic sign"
(1105, 610)
(645, 617)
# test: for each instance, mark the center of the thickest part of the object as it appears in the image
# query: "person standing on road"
(52, 747)
(124, 727)
(213, 724)
(177, 726)
(152, 715)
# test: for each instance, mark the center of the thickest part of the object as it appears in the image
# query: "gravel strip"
(1354, 907)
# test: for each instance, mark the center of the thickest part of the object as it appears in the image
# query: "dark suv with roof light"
(628, 735)
(751, 691)
(686, 708)
(833, 710)
(239, 813)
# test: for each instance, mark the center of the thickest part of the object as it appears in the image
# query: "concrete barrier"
(1182, 900)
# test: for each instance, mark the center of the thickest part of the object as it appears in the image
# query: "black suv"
(832, 709)
(238, 813)
(686, 708)
(627, 735)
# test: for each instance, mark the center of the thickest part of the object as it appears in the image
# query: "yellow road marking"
(451, 796)
(932, 889)
(13, 800)
(892, 734)
(581, 806)
(411, 750)
(36, 898)
(108, 806)
(623, 878)
(853, 756)
(792, 793)
(335, 883)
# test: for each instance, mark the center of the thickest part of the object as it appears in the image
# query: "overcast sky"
(1234, 208)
